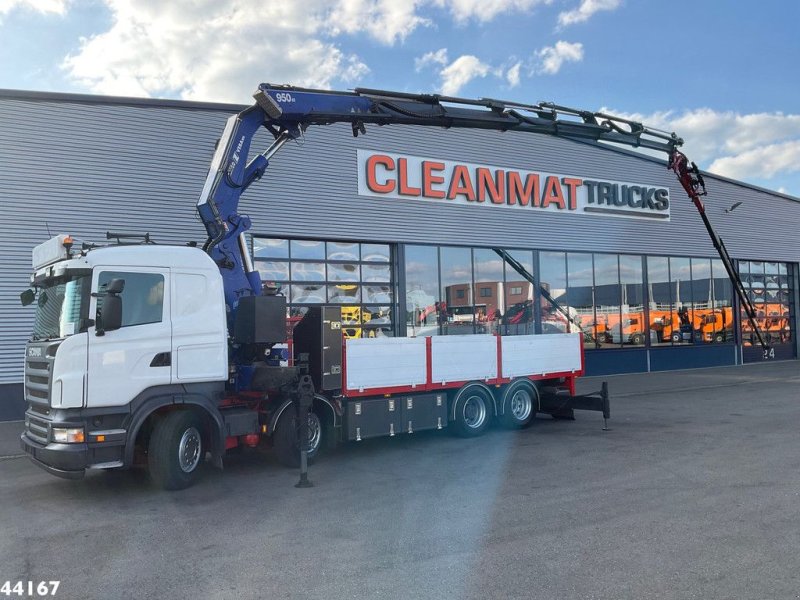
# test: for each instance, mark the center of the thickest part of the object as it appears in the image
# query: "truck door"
(125, 362)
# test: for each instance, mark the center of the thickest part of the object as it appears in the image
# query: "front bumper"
(69, 461)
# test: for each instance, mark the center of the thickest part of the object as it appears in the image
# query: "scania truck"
(167, 356)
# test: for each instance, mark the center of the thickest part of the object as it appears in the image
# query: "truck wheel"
(285, 438)
(637, 339)
(719, 338)
(175, 452)
(473, 406)
(519, 404)
(676, 337)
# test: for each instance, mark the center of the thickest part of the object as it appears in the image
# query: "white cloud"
(387, 21)
(438, 57)
(739, 146)
(586, 10)
(764, 161)
(58, 7)
(512, 75)
(552, 58)
(460, 72)
(486, 10)
(211, 50)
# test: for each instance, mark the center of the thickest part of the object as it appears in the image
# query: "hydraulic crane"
(286, 112)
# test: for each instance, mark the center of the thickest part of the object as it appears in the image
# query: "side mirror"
(27, 297)
(112, 313)
(109, 318)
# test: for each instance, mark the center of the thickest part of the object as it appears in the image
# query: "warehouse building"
(415, 231)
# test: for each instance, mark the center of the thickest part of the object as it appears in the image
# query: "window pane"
(707, 321)
(372, 331)
(634, 329)
(271, 270)
(553, 268)
(342, 251)
(142, 296)
(308, 249)
(343, 272)
(376, 273)
(607, 298)
(422, 290)
(375, 252)
(681, 281)
(308, 294)
(518, 316)
(661, 316)
(377, 293)
(489, 289)
(344, 293)
(580, 295)
(351, 315)
(377, 315)
(302, 271)
(456, 293)
(270, 248)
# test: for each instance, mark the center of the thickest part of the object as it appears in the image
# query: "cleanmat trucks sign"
(404, 177)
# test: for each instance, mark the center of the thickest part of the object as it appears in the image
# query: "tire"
(285, 439)
(637, 339)
(176, 451)
(676, 337)
(473, 410)
(519, 404)
(719, 338)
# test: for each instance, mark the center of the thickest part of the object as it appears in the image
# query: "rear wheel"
(473, 411)
(175, 453)
(285, 440)
(519, 404)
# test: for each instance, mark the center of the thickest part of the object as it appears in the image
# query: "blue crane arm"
(287, 111)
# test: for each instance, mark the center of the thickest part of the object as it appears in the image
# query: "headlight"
(64, 435)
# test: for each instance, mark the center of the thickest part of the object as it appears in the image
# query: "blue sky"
(722, 74)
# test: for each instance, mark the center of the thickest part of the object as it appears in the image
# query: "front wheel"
(285, 439)
(176, 452)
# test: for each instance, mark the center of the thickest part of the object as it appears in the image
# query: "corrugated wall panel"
(85, 168)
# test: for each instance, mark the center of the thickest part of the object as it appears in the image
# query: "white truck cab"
(83, 382)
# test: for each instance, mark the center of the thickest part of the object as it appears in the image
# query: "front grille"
(37, 425)
(38, 371)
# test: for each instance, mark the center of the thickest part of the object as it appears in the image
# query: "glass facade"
(614, 300)
(356, 276)
(770, 287)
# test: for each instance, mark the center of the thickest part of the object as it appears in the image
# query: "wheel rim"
(189, 450)
(521, 405)
(314, 432)
(474, 412)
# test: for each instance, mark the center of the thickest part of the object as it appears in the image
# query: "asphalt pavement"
(693, 493)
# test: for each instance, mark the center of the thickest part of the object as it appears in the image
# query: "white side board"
(539, 354)
(385, 362)
(463, 358)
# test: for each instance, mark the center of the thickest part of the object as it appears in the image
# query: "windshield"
(60, 306)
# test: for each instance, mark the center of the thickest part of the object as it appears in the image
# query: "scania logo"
(35, 352)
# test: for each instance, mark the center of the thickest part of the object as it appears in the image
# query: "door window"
(142, 297)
